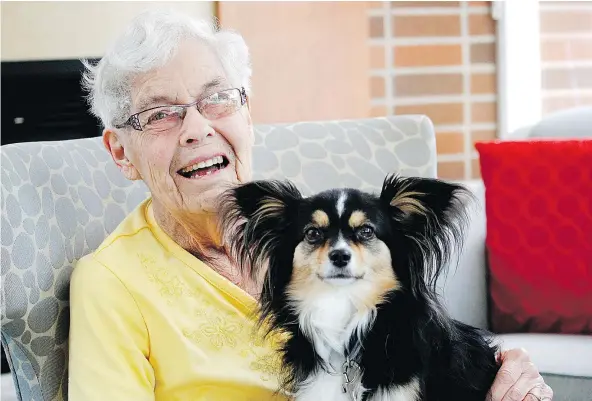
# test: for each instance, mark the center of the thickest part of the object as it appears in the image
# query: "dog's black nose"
(339, 257)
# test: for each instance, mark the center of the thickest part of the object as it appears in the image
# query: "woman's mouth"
(205, 168)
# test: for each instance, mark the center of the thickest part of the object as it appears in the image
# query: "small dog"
(351, 278)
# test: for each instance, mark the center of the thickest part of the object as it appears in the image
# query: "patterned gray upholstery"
(61, 199)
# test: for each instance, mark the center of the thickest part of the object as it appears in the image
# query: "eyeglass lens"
(217, 105)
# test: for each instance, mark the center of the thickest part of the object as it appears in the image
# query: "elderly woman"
(158, 312)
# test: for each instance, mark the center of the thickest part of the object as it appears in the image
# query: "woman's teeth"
(203, 164)
(205, 167)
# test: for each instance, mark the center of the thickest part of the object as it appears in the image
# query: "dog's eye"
(313, 235)
(366, 232)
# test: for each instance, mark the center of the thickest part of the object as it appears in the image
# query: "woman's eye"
(313, 235)
(366, 232)
(160, 115)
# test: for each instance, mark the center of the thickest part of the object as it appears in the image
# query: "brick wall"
(303, 52)
(437, 58)
(566, 54)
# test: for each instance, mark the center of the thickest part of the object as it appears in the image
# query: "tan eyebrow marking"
(320, 218)
(357, 218)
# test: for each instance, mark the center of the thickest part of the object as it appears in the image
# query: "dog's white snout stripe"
(341, 245)
(341, 203)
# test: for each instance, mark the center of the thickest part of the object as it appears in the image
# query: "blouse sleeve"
(109, 342)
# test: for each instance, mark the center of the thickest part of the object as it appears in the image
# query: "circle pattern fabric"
(61, 199)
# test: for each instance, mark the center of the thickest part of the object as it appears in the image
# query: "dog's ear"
(254, 217)
(432, 215)
(414, 199)
(263, 199)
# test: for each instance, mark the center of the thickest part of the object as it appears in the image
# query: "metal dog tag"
(352, 375)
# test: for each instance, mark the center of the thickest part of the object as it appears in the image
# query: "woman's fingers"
(540, 393)
(528, 384)
(510, 371)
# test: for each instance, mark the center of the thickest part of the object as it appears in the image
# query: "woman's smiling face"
(186, 167)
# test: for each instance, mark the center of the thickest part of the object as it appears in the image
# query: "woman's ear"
(115, 147)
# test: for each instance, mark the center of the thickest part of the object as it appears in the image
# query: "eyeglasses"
(163, 118)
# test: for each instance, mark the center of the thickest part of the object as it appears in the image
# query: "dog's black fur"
(411, 336)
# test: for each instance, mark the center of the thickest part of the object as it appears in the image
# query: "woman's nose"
(194, 128)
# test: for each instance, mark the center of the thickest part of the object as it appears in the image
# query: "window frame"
(518, 64)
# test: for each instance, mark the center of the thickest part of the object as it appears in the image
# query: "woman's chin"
(207, 199)
(202, 193)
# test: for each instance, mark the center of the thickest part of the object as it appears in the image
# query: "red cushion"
(539, 234)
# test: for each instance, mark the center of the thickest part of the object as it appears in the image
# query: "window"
(544, 59)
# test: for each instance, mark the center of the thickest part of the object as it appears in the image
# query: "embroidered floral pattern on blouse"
(220, 328)
(263, 355)
(193, 335)
(221, 331)
(268, 364)
(170, 286)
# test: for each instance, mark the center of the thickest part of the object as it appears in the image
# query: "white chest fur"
(326, 387)
(329, 320)
(323, 386)
(407, 392)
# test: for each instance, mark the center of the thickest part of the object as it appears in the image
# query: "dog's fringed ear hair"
(254, 216)
(432, 214)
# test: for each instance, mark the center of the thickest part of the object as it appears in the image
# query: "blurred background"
(455, 61)
(479, 70)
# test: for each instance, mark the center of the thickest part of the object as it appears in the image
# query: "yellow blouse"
(151, 322)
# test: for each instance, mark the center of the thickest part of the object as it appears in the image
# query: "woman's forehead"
(156, 93)
(192, 72)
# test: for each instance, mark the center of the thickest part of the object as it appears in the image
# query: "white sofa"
(565, 360)
(574, 122)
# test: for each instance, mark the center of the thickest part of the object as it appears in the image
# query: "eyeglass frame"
(134, 120)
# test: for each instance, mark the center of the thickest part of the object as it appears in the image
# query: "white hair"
(149, 42)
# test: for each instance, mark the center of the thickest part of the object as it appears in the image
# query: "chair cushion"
(354, 153)
(61, 199)
(538, 201)
(557, 354)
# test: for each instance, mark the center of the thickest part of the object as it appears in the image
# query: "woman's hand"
(519, 380)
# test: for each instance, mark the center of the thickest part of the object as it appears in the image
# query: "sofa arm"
(464, 288)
